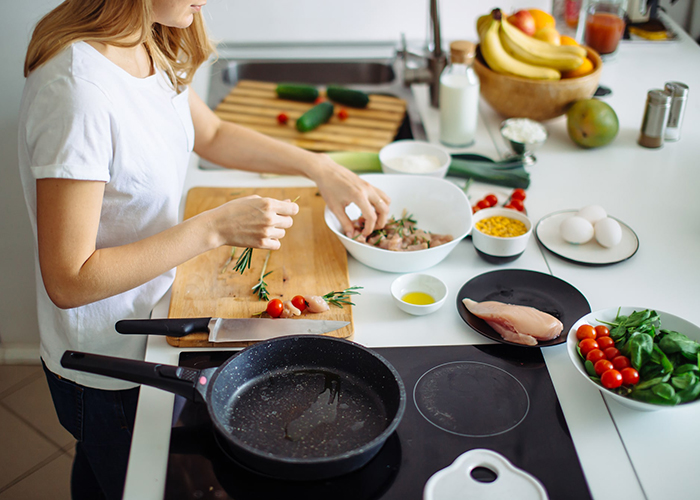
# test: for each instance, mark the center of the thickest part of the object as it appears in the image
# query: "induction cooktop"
(459, 398)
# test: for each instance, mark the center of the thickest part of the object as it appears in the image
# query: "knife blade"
(228, 329)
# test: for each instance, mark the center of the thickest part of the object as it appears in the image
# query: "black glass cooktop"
(459, 398)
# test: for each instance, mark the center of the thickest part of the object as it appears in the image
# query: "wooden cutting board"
(311, 261)
(256, 105)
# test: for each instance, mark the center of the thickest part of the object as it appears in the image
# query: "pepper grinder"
(656, 113)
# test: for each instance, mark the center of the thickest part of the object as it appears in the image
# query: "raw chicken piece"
(315, 304)
(520, 324)
(288, 310)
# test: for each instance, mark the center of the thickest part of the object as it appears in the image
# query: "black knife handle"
(172, 327)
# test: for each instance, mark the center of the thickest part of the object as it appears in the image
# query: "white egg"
(576, 230)
(608, 232)
(592, 213)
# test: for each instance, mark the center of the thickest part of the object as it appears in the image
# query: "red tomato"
(611, 379)
(585, 332)
(595, 355)
(343, 114)
(611, 352)
(518, 205)
(602, 331)
(620, 362)
(587, 345)
(319, 100)
(282, 118)
(475, 209)
(602, 365)
(605, 342)
(630, 376)
(299, 302)
(274, 308)
(509, 205)
(518, 194)
(492, 199)
(482, 204)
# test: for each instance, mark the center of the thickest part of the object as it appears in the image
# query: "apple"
(524, 21)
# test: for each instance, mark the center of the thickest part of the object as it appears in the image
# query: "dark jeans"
(102, 422)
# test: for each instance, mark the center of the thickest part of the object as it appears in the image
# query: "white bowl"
(436, 204)
(408, 148)
(419, 283)
(497, 250)
(668, 322)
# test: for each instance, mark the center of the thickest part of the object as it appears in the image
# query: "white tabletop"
(624, 453)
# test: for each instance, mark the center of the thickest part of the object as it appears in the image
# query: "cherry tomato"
(492, 199)
(585, 332)
(282, 118)
(602, 365)
(509, 205)
(319, 100)
(343, 114)
(518, 194)
(587, 345)
(620, 362)
(611, 352)
(630, 376)
(482, 204)
(518, 205)
(611, 379)
(475, 209)
(274, 308)
(605, 342)
(602, 331)
(595, 355)
(299, 302)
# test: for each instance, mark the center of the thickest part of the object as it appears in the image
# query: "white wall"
(229, 20)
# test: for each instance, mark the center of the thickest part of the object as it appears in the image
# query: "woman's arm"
(76, 273)
(234, 146)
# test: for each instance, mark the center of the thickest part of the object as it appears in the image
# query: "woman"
(107, 124)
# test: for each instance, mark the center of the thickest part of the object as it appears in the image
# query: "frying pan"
(298, 407)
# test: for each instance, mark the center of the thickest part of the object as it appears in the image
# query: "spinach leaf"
(590, 369)
(685, 369)
(673, 342)
(649, 396)
(690, 393)
(664, 390)
(641, 346)
(684, 381)
(647, 384)
(658, 357)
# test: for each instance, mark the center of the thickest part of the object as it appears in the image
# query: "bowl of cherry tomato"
(642, 358)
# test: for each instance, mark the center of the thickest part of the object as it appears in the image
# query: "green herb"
(228, 261)
(260, 289)
(340, 298)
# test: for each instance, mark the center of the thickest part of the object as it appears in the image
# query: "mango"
(592, 123)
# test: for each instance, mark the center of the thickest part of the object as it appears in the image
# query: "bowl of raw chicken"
(429, 217)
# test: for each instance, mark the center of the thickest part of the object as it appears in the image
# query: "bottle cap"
(676, 89)
(462, 51)
(658, 96)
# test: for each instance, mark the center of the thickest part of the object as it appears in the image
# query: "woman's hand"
(340, 187)
(252, 222)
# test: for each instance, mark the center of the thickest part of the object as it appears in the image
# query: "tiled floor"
(36, 453)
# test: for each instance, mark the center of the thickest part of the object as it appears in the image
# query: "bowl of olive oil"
(418, 293)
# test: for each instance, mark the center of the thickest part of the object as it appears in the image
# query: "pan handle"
(175, 379)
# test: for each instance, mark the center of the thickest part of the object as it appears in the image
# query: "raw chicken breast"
(520, 324)
(316, 304)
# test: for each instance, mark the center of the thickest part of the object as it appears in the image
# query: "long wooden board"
(255, 105)
(311, 261)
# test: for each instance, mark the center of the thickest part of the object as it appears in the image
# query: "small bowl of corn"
(500, 234)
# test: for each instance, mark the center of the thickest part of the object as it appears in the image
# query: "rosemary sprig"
(339, 298)
(228, 261)
(260, 289)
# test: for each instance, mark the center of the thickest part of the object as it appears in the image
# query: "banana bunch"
(506, 49)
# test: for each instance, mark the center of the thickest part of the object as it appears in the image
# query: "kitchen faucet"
(434, 62)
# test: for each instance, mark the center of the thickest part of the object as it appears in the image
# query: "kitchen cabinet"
(623, 453)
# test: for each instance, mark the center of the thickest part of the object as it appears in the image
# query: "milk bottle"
(459, 96)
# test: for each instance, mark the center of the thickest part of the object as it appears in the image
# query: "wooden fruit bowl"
(516, 97)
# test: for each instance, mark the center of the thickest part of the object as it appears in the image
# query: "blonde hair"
(177, 51)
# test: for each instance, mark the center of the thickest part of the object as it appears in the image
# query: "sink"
(364, 66)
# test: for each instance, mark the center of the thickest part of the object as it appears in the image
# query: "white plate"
(592, 253)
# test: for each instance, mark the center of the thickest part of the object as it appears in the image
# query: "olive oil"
(418, 298)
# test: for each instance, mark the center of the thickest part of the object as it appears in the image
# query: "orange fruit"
(585, 68)
(567, 40)
(542, 19)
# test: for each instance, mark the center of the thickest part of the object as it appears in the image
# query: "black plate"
(524, 288)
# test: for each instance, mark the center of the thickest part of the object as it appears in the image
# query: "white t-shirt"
(83, 117)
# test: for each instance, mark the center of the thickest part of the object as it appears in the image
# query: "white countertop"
(624, 453)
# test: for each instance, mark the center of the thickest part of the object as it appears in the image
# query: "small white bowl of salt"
(524, 136)
(415, 158)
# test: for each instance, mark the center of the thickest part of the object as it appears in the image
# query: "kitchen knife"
(228, 329)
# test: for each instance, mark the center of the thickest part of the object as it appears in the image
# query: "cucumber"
(359, 161)
(349, 97)
(297, 92)
(314, 117)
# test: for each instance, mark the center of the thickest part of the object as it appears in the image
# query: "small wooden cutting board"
(255, 105)
(311, 261)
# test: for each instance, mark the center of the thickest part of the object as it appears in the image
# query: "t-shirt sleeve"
(70, 132)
